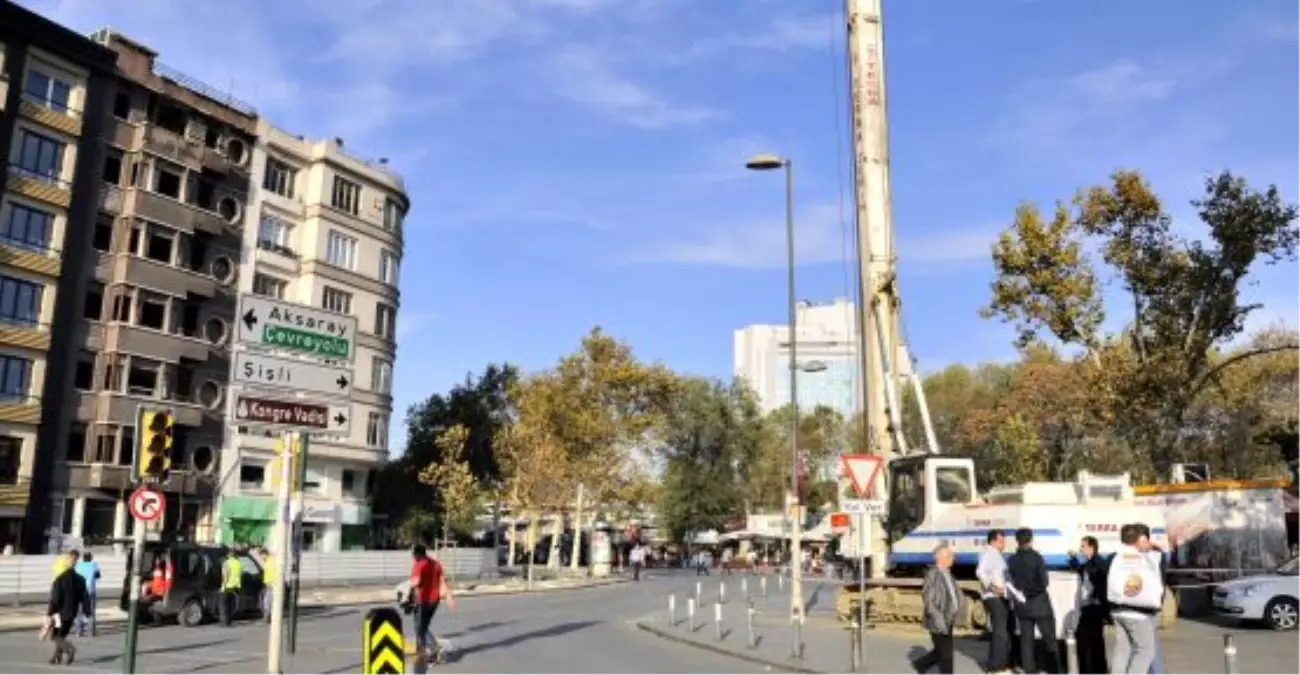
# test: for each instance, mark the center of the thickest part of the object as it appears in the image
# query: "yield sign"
(146, 505)
(862, 470)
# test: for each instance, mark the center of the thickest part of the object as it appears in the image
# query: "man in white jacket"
(1135, 590)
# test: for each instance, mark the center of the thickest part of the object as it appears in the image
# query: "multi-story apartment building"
(158, 308)
(827, 335)
(51, 82)
(329, 235)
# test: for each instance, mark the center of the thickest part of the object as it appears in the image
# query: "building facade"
(52, 82)
(157, 309)
(827, 336)
(328, 234)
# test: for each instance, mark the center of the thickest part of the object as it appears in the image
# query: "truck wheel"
(191, 613)
(1282, 613)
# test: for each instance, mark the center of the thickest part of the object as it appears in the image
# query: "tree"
(460, 495)
(1184, 294)
(705, 440)
(480, 406)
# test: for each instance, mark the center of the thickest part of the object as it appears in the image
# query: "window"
(377, 430)
(122, 304)
(103, 240)
(252, 476)
(349, 480)
(273, 235)
(94, 308)
(347, 195)
(269, 286)
(126, 456)
(341, 251)
(280, 178)
(336, 301)
(143, 377)
(77, 444)
(171, 118)
(122, 105)
(388, 267)
(381, 376)
(953, 484)
(112, 173)
(28, 227)
(14, 374)
(385, 321)
(49, 91)
(313, 481)
(11, 452)
(153, 310)
(20, 301)
(161, 244)
(392, 215)
(41, 157)
(167, 180)
(84, 378)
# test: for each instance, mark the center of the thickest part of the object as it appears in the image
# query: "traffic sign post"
(288, 326)
(274, 372)
(298, 415)
(862, 471)
(146, 505)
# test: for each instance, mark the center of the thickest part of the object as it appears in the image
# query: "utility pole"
(878, 326)
(295, 571)
(281, 550)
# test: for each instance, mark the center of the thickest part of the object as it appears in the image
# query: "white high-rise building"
(328, 234)
(827, 334)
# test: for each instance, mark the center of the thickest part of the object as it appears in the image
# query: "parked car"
(193, 593)
(1271, 598)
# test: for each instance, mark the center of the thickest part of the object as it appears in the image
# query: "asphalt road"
(575, 631)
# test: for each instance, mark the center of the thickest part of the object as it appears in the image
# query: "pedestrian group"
(1126, 589)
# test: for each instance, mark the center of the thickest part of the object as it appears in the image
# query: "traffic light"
(154, 454)
(276, 464)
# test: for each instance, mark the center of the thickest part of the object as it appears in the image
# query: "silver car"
(1271, 598)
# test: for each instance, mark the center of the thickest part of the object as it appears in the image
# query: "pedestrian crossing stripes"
(382, 640)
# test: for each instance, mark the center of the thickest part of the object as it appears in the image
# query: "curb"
(115, 620)
(758, 660)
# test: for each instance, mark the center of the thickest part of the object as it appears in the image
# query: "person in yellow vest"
(268, 582)
(232, 577)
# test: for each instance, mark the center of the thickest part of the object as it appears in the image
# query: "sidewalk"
(1193, 646)
(30, 617)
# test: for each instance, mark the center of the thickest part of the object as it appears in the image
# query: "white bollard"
(762, 587)
(744, 587)
(672, 611)
(722, 592)
(1229, 655)
(690, 614)
(1071, 654)
(699, 588)
(717, 619)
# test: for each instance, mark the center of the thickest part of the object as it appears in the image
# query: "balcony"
(116, 478)
(18, 332)
(152, 274)
(125, 338)
(20, 409)
(65, 120)
(123, 134)
(115, 407)
(177, 214)
(277, 256)
(110, 199)
(35, 185)
(173, 146)
(15, 495)
(34, 257)
(232, 159)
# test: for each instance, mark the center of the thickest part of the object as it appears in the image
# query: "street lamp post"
(767, 162)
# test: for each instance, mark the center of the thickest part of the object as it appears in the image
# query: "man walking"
(67, 599)
(638, 561)
(88, 569)
(1135, 590)
(232, 578)
(1028, 573)
(428, 589)
(995, 592)
(943, 604)
(1090, 633)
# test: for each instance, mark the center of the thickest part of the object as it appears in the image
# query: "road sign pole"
(296, 570)
(133, 607)
(281, 548)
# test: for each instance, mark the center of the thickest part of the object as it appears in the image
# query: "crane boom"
(879, 347)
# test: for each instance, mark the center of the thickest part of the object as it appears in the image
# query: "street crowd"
(1125, 589)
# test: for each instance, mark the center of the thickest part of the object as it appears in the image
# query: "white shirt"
(992, 571)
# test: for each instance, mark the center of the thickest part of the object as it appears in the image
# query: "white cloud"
(583, 74)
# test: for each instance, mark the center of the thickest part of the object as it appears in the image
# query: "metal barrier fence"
(26, 578)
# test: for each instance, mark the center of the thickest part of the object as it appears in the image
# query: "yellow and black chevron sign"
(383, 642)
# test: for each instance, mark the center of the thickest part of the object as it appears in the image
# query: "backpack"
(1134, 580)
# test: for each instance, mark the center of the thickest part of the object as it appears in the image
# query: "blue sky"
(579, 162)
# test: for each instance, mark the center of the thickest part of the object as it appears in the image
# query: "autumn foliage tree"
(1184, 306)
(460, 494)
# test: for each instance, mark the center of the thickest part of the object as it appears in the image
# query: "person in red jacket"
(428, 589)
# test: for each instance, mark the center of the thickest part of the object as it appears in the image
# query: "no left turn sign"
(146, 504)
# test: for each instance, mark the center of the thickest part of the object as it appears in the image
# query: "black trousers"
(1001, 628)
(1090, 640)
(1046, 625)
(940, 656)
(636, 571)
(229, 602)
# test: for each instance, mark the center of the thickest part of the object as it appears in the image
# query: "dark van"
(192, 587)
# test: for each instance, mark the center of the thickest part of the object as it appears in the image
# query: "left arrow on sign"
(250, 319)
